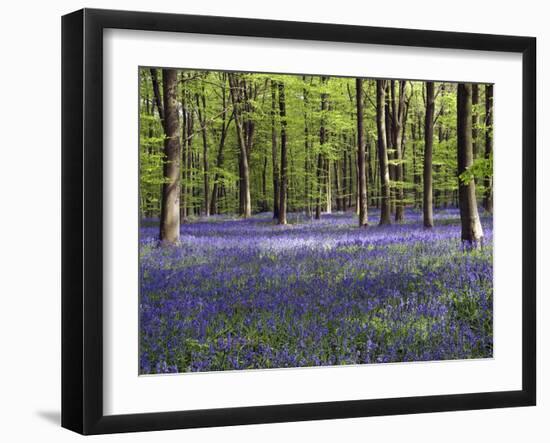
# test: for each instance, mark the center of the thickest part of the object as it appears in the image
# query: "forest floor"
(244, 294)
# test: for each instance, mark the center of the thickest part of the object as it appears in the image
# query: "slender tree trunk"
(488, 181)
(328, 185)
(415, 133)
(160, 110)
(220, 157)
(345, 179)
(196, 189)
(284, 178)
(414, 166)
(264, 186)
(249, 94)
(475, 119)
(170, 214)
(245, 207)
(190, 186)
(201, 109)
(376, 178)
(370, 173)
(428, 147)
(319, 186)
(148, 206)
(390, 145)
(337, 188)
(156, 92)
(385, 215)
(472, 232)
(307, 160)
(321, 164)
(351, 139)
(399, 128)
(274, 153)
(184, 155)
(363, 211)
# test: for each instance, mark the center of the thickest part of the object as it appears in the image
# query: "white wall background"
(30, 223)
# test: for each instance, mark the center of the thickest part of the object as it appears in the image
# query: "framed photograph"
(269, 221)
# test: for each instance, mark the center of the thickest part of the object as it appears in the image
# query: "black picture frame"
(82, 218)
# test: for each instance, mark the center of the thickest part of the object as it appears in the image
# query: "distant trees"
(239, 143)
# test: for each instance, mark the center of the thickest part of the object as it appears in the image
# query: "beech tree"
(323, 179)
(428, 148)
(275, 155)
(472, 231)
(201, 110)
(170, 209)
(284, 162)
(398, 111)
(385, 214)
(244, 188)
(224, 126)
(363, 215)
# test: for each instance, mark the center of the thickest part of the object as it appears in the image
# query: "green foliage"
(482, 167)
(206, 95)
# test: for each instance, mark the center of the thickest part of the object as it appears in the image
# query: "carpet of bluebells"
(245, 294)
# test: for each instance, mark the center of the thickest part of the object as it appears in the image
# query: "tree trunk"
(201, 109)
(264, 205)
(170, 211)
(475, 119)
(319, 186)
(363, 214)
(284, 178)
(352, 168)
(390, 144)
(322, 173)
(249, 94)
(184, 155)
(328, 185)
(383, 153)
(148, 206)
(398, 122)
(274, 153)
(337, 187)
(428, 148)
(488, 182)
(345, 179)
(245, 206)
(220, 157)
(370, 172)
(196, 190)
(472, 232)
(415, 133)
(156, 92)
(307, 160)
(189, 185)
